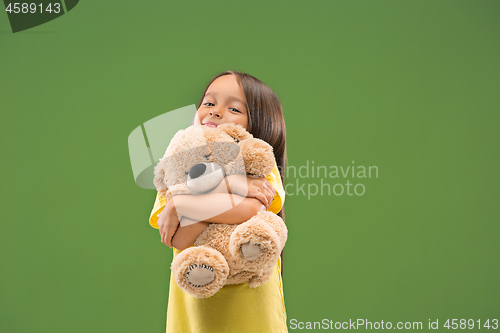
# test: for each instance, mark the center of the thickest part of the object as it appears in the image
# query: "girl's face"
(224, 102)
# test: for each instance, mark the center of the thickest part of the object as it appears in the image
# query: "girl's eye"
(208, 103)
(235, 109)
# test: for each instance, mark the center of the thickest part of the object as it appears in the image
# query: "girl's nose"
(214, 113)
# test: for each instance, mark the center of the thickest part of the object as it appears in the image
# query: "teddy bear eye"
(207, 157)
(187, 172)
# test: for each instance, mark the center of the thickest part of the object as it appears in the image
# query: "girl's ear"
(237, 132)
(160, 181)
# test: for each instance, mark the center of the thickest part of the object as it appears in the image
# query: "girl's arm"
(184, 237)
(215, 207)
(229, 202)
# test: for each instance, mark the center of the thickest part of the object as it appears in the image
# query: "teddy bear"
(196, 161)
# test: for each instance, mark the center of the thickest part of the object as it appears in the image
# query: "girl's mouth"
(210, 124)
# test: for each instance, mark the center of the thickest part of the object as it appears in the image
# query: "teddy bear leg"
(276, 223)
(200, 271)
(254, 244)
(263, 275)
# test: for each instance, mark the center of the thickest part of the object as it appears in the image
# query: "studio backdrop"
(392, 183)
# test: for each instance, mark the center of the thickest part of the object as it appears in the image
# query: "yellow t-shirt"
(235, 307)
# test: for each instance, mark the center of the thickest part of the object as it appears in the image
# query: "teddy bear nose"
(203, 177)
(197, 170)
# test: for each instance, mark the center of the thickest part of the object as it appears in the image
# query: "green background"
(409, 86)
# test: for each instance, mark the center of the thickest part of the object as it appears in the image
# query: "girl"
(231, 97)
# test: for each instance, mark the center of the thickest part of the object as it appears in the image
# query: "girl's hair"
(265, 119)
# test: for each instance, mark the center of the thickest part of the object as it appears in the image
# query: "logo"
(147, 143)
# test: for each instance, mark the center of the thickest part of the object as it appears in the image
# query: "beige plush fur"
(222, 253)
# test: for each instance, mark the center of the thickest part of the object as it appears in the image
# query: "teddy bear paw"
(254, 244)
(200, 271)
(251, 251)
(200, 275)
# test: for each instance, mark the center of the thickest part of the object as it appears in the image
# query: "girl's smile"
(224, 102)
(210, 124)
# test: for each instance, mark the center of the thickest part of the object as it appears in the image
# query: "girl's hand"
(252, 187)
(168, 222)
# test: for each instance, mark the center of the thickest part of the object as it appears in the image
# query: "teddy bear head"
(199, 157)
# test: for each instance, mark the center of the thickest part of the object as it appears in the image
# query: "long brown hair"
(265, 119)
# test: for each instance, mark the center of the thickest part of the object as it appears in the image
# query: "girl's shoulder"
(158, 206)
(274, 178)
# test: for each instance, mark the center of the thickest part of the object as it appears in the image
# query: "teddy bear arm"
(258, 156)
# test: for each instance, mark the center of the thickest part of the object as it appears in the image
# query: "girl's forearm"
(185, 236)
(240, 213)
(217, 207)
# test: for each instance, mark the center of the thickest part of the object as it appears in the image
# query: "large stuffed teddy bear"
(196, 161)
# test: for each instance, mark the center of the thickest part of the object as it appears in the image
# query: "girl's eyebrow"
(230, 98)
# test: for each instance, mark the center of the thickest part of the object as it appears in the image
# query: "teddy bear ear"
(237, 132)
(160, 181)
